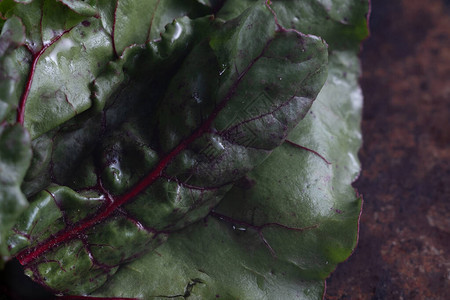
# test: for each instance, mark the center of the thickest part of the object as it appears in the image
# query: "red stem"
(310, 150)
(113, 30)
(28, 255)
(26, 92)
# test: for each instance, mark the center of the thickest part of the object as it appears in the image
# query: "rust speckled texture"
(404, 247)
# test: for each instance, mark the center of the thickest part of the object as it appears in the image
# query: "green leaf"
(62, 75)
(280, 231)
(209, 260)
(84, 8)
(67, 51)
(341, 23)
(12, 35)
(145, 168)
(15, 149)
(70, 47)
(13, 65)
(15, 156)
(138, 21)
(166, 159)
(120, 98)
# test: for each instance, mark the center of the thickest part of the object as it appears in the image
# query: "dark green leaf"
(166, 160)
(342, 23)
(253, 83)
(137, 21)
(13, 65)
(12, 35)
(84, 8)
(283, 228)
(67, 51)
(15, 156)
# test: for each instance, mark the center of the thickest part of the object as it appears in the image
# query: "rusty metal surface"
(404, 246)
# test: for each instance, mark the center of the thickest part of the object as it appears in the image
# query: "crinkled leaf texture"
(283, 228)
(15, 157)
(166, 155)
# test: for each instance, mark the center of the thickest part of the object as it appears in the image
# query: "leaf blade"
(15, 157)
(266, 240)
(49, 252)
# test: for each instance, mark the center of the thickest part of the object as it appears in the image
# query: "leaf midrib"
(27, 256)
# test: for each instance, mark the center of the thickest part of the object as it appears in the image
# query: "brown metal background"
(404, 246)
